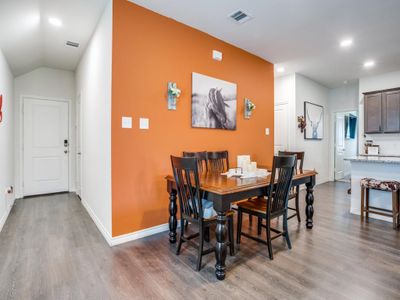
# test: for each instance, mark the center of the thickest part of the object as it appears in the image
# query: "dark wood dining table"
(223, 191)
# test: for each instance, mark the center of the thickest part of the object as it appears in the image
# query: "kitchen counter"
(375, 159)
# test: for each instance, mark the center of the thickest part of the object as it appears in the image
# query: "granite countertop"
(382, 159)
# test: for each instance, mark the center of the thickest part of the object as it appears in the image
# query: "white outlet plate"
(126, 122)
(266, 131)
(144, 123)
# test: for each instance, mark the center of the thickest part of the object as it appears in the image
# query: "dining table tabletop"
(222, 190)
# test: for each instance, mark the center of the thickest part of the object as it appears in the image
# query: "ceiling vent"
(72, 44)
(240, 16)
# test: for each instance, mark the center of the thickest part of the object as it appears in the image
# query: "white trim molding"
(138, 234)
(117, 240)
(96, 220)
(6, 214)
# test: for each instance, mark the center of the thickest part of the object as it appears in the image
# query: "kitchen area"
(379, 153)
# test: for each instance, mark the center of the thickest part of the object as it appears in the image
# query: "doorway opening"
(346, 143)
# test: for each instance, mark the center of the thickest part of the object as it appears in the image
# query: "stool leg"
(366, 203)
(398, 208)
(362, 204)
(394, 209)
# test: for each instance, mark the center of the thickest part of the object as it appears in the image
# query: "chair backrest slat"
(201, 159)
(187, 181)
(281, 181)
(218, 161)
(299, 157)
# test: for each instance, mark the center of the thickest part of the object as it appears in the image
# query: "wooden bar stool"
(380, 185)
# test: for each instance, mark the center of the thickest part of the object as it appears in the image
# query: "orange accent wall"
(148, 51)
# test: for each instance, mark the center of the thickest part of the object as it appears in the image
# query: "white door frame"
(20, 180)
(79, 140)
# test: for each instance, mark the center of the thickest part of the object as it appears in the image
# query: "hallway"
(51, 249)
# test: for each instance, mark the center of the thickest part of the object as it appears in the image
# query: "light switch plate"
(266, 131)
(144, 123)
(126, 122)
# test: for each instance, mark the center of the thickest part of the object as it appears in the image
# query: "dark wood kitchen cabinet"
(373, 113)
(382, 111)
(391, 111)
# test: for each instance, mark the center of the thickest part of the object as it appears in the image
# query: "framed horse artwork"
(213, 103)
(314, 114)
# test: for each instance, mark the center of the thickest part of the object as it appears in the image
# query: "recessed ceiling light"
(55, 22)
(345, 82)
(280, 69)
(346, 43)
(369, 64)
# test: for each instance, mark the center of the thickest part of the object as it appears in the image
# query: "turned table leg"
(310, 203)
(221, 246)
(172, 216)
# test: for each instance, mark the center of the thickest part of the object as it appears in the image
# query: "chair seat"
(255, 204)
(371, 183)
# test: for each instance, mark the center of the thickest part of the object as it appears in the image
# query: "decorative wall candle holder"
(248, 108)
(173, 95)
(302, 123)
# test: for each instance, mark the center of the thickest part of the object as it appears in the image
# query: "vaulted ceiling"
(29, 41)
(301, 35)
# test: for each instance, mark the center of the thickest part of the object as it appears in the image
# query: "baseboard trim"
(121, 239)
(6, 214)
(96, 220)
(321, 181)
(117, 240)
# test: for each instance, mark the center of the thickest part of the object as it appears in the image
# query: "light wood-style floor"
(51, 249)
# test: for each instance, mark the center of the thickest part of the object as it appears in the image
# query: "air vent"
(72, 44)
(240, 16)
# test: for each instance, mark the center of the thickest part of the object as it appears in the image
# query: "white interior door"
(45, 146)
(78, 146)
(281, 127)
(339, 147)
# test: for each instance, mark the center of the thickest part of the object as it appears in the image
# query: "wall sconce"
(248, 108)
(173, 95)
(302, 123)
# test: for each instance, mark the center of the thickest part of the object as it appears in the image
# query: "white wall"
(6, 140)
(51, 84)
(93, 81)
(342, 99)
(295, 89)
(316, 151)
(390, 143)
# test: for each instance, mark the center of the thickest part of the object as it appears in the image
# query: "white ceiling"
(301, 35)
(29, 41)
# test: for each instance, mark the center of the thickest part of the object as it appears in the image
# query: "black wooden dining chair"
(295, 191)
(201, 159)
(218, 161)
(276, 203)
(193, 208)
